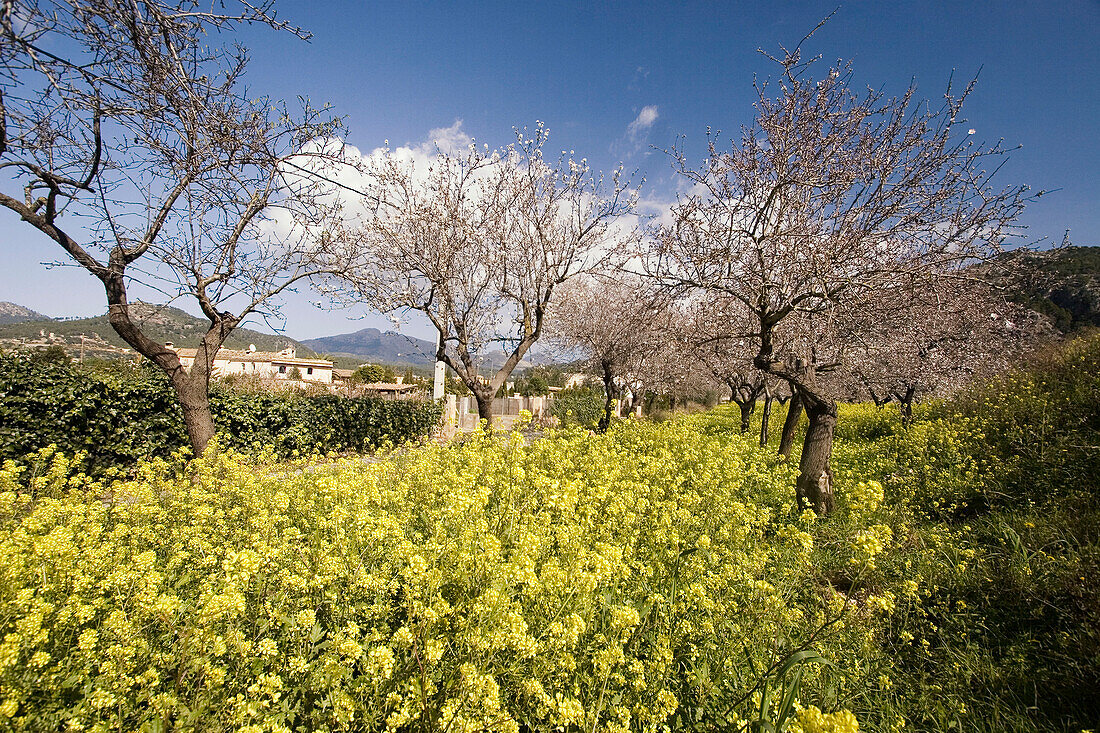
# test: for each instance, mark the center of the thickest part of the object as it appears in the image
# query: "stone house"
(263, 364)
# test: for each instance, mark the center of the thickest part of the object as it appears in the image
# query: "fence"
(460, 413)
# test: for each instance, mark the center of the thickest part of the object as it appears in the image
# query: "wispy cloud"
(642, 123)
(636, 137)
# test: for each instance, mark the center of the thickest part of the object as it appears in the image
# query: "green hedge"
(119, 414)
(581, 406)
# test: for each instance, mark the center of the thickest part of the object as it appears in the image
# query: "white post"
(440, 369)
(450, 412)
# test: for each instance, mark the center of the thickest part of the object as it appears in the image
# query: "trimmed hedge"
(120, 414)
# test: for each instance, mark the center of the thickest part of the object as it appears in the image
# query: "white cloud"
(642, 122)
(451, 140)
(354, 176)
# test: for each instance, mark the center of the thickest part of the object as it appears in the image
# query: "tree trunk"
(605, 419)
(765, 415)
(746, 414)
(905, 403)
(484, 407)
(194, 397)
(790, 425)
(609, 391)
(815, 479)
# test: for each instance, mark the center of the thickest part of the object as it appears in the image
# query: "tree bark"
(815, 480)
(765, 416)
(905, 404)
(609, 391)
(790, 425)
(484, 406)
(194, 397)
(746, 414)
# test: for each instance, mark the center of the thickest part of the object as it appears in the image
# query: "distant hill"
(388, 347)
(370, 344)
(161, 323)
(1062, 283)
(12, 313)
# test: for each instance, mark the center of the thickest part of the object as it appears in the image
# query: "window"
(309, 370)
(282, 369)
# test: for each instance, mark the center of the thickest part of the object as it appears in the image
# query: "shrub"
(50, 355)
(114, 416)
(368, 374)
(579, 406)
(1042, 424)
(118, 415)
(942, 469)
(866, 422)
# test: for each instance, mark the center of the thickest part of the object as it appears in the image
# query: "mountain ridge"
(159, 322)
(15, 313)
(1062, 283)
(376, 345)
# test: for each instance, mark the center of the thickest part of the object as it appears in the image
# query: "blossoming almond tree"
(716, 332)
(618, 325)
(831, 196)
(479, 241)
(127, 138)
(937, 339)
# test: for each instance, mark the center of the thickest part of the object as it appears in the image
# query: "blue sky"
(590, 69)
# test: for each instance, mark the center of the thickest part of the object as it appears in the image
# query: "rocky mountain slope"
(13, 313)
(373, 345)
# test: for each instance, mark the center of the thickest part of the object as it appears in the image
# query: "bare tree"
(830, 197)
(479, 241)
(138, 151)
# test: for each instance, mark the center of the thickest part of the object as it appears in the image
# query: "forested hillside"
(162, 323)
(1062, 283)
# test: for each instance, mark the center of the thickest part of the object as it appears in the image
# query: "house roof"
(389, 387)
(232, 355)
